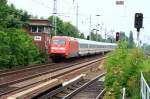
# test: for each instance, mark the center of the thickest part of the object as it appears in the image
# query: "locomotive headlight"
(53, 48)
(62, 48)
(58, 48)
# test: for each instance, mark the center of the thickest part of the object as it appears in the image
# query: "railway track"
(7, 71)
(22, 68)
(30, 72)
(36, 66)
(147, 55)
(22, 74)
(79, 89)
(5, 86)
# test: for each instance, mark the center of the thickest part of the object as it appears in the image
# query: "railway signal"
(138, 24)
(117, 36)
(138, 21)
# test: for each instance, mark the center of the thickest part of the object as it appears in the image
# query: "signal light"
(138, 21)
(117, 36)
(88, 37)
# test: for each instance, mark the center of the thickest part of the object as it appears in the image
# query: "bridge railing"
(145, 89)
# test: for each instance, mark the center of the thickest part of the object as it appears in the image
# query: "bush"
(146, 76)
(123, 67)
(17, 49)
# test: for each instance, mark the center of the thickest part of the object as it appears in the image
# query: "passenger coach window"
(59, 42)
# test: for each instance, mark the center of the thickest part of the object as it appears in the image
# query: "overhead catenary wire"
(46, 6)
(42, 4)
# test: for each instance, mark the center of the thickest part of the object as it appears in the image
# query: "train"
(63, 47)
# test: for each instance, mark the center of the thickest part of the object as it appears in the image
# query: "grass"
(146, 66)
(147, 75)
(146, 70)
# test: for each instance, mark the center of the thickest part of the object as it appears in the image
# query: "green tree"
(60, 27)
(82, 36)
(131, 40)
(93, 36)
(99, 37)
(110, 40)
(96, 37)
(123, 37)
(11, 17)
(71, 30)
(16, 48)
(3, 12)
(65, 28)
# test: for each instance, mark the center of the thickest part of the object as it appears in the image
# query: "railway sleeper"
(69, 89)
(60, 95)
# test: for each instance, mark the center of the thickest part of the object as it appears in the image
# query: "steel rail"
(39, 74)
(99, 96)
(83, 87)
(25, 69)
(43, 74)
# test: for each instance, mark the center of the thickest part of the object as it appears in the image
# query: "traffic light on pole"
(117, 36)
(138, 21)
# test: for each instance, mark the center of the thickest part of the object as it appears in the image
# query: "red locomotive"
(63, 47)
(67, 47)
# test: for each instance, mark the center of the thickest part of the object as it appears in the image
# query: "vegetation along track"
(20, 76)
(79, 89)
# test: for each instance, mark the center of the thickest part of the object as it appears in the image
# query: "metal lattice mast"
(55, 17)
(77, 14)
(90, 28)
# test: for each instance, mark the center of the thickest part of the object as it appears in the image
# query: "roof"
(40, 22)
(83, 41)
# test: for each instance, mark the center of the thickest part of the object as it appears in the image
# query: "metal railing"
(145, 89)
(124, 93)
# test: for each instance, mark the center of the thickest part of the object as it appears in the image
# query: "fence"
(145, 89)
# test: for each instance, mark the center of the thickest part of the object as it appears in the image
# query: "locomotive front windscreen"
(58, 42)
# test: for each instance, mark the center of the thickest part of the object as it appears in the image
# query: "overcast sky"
(112, 16)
